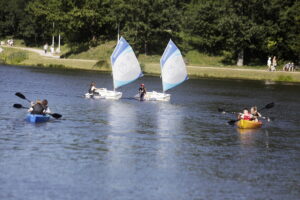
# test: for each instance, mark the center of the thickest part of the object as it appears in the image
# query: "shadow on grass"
(76, 49)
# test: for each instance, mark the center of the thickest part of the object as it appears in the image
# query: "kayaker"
(142, 92)
(245, 115)
(39, 108)
(92, 89)
(255, 114)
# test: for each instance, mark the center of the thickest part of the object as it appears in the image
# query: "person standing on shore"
(269, 63)
(46, 48)
(274, 63)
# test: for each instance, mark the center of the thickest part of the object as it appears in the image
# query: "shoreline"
(36, 59)
(191, 76)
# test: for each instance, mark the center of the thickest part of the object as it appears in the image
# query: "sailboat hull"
(103, 93)
(154, 96)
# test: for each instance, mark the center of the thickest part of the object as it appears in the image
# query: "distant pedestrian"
(10, 42)
(46, 48)
(286, 67)
(274, 64)
(269, 63)
(52, 49)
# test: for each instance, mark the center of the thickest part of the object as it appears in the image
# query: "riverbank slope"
(36, 57)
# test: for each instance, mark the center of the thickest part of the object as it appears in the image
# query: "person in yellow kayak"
(245, 115)
(255, 114)
(39, 107)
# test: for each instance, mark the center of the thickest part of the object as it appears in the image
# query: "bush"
(16, 57)
(57, 66)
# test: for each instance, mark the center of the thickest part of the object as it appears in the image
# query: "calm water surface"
(126, 149)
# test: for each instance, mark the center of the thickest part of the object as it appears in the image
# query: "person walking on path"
(46, 48)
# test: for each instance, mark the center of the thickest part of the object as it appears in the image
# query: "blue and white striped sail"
(173, 69)
(125, 66)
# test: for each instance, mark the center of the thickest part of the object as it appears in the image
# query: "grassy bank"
(199, 65)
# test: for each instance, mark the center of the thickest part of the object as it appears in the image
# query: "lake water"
(126, 149)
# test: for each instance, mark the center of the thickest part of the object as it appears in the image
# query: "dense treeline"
(249, 29)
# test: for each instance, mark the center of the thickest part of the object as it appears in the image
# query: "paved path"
(49, 55)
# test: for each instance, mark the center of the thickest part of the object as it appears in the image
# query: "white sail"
(125, 65)
(173, 69)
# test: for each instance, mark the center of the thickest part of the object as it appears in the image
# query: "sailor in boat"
(142, 92)
(92, 89)
(39, 107)
(255, 114)
(245, 115)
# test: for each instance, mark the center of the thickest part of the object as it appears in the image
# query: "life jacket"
(38, 109)
(142, 90)
(247, 117)
(92, 89)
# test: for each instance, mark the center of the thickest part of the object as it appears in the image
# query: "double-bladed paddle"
(55, 115)
(268, 106)
(22, 96)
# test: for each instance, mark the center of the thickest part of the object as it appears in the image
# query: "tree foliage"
(259, 28)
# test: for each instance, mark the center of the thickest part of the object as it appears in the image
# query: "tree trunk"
(145, 47)
(240, 61)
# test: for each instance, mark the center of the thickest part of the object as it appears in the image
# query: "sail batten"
(173, 68)
(125, 66)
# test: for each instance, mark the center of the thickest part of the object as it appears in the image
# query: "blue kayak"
(37, 118)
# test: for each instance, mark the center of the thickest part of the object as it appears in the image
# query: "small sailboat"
(125, 70)
(173, 73)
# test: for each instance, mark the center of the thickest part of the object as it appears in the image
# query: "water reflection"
(122, 120)
(253, 137)
(169, 130)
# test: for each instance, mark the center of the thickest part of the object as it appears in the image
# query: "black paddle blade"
(220, 110)
(232, 122)
(56, 115)
(270, 105)
(17, 106)
(20, 95)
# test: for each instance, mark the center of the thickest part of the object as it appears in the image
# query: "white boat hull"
(154, 96)
(103, 93)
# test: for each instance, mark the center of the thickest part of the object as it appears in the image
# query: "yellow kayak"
(248, 124)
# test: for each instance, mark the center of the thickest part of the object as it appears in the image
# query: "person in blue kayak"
(39, 107)
(142, 92)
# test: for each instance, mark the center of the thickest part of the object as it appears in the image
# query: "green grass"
(200, 59)
(285, 78)
(12, 56)
(103, 51)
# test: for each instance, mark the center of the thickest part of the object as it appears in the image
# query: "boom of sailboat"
(126, 69)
